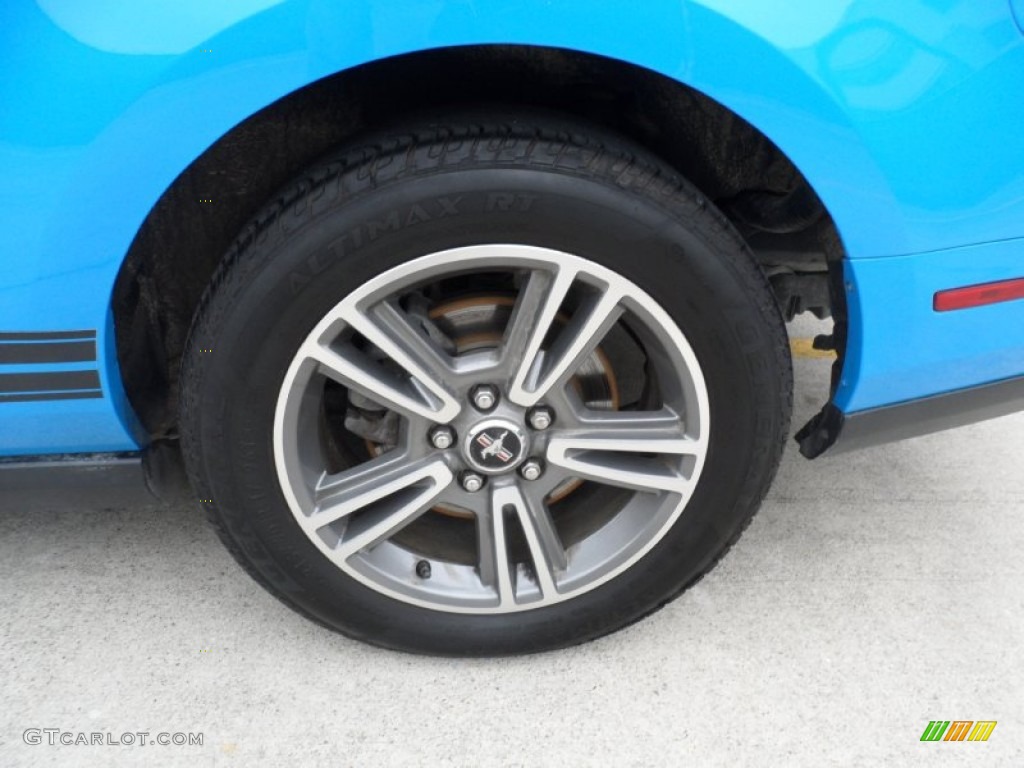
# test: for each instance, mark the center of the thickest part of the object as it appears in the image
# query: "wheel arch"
(183, 237)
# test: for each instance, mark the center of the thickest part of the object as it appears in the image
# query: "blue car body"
(904, 117)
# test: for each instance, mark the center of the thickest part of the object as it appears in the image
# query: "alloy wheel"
(492, 466)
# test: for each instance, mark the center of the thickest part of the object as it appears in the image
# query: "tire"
(627, 339)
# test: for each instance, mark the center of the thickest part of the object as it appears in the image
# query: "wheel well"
(183, 238)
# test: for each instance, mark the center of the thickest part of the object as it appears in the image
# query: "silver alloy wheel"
(387, 354)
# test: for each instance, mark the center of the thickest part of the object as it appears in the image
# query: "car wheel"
(484, 386)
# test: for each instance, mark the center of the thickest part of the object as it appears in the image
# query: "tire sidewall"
(327, 243)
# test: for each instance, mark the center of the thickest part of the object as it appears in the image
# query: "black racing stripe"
(48, 352)
(47, 335)
(51, 381)
(82, 394)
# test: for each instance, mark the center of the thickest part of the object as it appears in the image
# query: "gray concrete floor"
(873, 593)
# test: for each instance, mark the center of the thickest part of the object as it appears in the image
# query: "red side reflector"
(978, 295)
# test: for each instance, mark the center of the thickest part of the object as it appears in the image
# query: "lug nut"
(531, 469)
(442, 438)
(485, 397)
(472, 482)
(541, 417)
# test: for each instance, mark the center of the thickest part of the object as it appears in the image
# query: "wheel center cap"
(494, 446)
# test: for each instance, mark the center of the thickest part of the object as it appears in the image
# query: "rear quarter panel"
(882, 106)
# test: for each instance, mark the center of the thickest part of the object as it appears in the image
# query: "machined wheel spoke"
(538, 370)
(636, 450)
(410, 350)
(547, 554)
(389, 493)
(535, 310)
(421, 393)
(492, 544)
(410, 335)
(371, 379)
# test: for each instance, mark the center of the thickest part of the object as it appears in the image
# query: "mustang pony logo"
(493, 447)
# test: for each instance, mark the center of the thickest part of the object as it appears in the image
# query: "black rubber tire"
(532, 179)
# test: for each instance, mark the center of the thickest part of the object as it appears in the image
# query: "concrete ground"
(873, 593)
